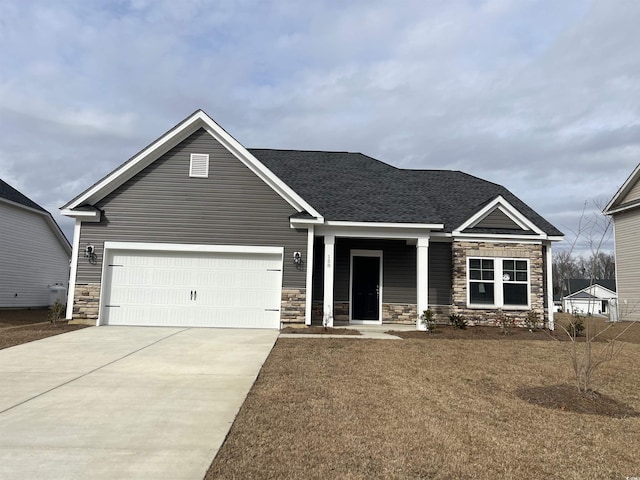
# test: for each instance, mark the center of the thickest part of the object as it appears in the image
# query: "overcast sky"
(542, 97)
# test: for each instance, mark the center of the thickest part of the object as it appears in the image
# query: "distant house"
(624, 208)
(34, 253)
(588, 297)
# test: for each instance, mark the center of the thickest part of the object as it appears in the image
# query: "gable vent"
(199, 166)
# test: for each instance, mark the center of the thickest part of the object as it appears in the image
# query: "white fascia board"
(427, 226)
(258, 168)
(623, 190)
(84, 215)
(305, 223)
(170, 139)
(532, 239)
(184, 247)
(371, 232)
(138, 162)
(624, 208)
(506, 208)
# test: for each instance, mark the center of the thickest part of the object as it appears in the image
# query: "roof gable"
(8, 193)
(627, 196)
(164, 144)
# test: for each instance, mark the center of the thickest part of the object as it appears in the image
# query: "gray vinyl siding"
(399, 270)
(162, 204)
(497, 219)
(31, 258)
(627, 244)
(440, 273)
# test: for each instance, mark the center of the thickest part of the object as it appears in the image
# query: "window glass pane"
(508, 264)
(515, 294)
(521, 276)
(487, 264)
(475, 275)
(481, 292)
(474, 263)
(521, 265)
(487, 275)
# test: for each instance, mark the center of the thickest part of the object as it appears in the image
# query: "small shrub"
(504, 322)
(532, 320)
(576, 325)
(428, 320)
(458, 321)
(56, 311)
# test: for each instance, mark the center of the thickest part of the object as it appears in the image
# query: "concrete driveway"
(124, 402)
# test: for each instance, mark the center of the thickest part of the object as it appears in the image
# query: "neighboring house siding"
(31, 258)
(627, 228)
(162, 204)
(634, 194)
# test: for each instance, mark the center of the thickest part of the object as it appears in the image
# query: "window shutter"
(199, 166)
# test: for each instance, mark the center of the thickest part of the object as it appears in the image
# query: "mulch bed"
(317, 330)
(567, 398)
(22, 326)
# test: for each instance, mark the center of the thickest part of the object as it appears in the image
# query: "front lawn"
(432, 408)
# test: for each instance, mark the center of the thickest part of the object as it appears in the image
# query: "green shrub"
(458, 321)
(428, 320)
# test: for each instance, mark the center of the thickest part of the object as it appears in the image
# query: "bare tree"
(587, 356)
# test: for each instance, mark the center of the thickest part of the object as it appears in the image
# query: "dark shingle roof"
(354, 187)
(9, 193)
(573, 285)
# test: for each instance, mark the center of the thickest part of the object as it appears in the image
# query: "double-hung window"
(498, 282)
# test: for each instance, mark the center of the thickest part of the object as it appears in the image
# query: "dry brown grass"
(339, 408)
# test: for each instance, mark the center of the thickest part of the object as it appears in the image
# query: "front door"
(365, 288)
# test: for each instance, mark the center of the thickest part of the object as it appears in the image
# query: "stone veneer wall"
(399, 313)
(475, 316)
(292, 308)
(86, 302)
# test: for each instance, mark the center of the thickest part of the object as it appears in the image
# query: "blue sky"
(540, 96)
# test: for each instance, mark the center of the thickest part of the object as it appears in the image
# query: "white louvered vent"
(199, 166)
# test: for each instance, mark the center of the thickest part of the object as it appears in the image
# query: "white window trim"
(196, 159)
(498, 285)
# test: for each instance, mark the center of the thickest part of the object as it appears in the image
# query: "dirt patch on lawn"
(317, 330)
(22, 326)
(567, 398)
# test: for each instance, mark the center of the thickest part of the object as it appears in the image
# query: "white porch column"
(422, 284)
(309, 280)
(549, 282)
(329, 261)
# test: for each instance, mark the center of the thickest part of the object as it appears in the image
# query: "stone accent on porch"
(480, 316)
(292, 309)
(86, 303)
(399, 313)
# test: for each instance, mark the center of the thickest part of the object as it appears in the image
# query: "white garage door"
(192, 289)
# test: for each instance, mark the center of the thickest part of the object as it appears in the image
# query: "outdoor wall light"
(297, 259)
(90, 253)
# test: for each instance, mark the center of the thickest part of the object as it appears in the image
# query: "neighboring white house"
(589, 298)
(34, 253)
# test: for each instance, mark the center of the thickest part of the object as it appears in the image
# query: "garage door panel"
(193, 289)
